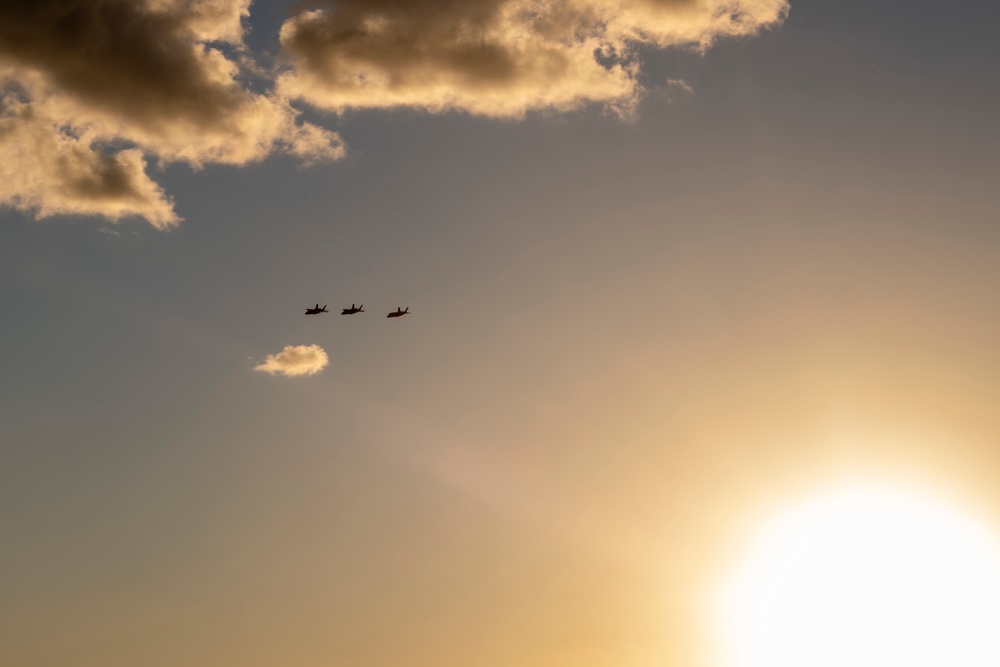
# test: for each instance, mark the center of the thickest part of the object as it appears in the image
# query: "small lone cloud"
(295, 360)
(677, 88)
(679, 85)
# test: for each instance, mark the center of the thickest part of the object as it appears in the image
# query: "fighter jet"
(353, 309)
(317, 310)
(399, 312)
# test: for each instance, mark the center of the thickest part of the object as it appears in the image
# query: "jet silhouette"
(399, 312)
(353, 309)
(316, 310)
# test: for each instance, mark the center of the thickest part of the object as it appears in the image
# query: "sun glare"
(867, 581)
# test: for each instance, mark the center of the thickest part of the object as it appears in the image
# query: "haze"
(671, 266)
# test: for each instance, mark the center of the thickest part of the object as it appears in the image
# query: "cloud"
(496, 57)
(104, 85)
(93, 93)
(488, 58)
(295, 360)
(675, 88)
(46, 169)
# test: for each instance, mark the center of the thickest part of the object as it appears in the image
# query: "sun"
(865, 580)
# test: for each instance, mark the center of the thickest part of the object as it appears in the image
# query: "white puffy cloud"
(496, 57)
(295, 360)
(160, 77)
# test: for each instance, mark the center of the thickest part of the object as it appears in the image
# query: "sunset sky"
(674, 268)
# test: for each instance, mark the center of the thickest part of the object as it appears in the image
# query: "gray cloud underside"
(167, 79)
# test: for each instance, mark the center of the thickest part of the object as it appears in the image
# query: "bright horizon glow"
(866, 580)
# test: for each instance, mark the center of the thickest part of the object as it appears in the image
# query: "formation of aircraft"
(399, 312)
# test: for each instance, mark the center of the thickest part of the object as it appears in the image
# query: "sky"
(671, 265)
